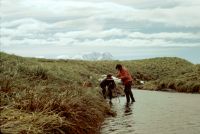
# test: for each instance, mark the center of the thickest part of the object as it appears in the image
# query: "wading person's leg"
(130, 92)
(131, 95)
(126, 91)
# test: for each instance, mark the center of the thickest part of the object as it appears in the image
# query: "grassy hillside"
(162, 73)
(46, 96)
(61, 96)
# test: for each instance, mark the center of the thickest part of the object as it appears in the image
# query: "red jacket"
(125, 76)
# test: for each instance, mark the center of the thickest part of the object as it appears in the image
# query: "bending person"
(109, 83)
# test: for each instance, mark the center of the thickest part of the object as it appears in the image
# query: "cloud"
(165, 35)
(181, 14)
(32, 32)
(75, 26)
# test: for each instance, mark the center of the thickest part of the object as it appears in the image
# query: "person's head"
(109, 76)
(118, 67)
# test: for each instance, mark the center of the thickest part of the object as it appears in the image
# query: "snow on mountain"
(97, 56)
(62, 57)
(106, 56)
(89, 56)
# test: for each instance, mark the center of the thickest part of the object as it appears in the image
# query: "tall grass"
(41, 98)
(185, 79)
(47, 96)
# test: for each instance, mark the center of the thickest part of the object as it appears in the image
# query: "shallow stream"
(155, 113)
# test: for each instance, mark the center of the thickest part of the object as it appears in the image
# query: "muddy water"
(155, 113)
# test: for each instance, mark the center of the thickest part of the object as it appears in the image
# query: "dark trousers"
(128, 92)
(109, 93)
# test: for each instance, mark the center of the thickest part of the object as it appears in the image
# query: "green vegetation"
(61, 96)
(46, 96)
(171, 74)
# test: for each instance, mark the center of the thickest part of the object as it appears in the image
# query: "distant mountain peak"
(97, 56)
(89, 56)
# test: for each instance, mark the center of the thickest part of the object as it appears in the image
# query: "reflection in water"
(123, 121)
(155, 112)
(128, 110)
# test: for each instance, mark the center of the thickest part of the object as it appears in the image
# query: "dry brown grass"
(52, 112)
(36, 98)
(46, 96)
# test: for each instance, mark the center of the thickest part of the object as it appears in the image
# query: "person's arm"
(118, 75)
(123, 75)
(103, 84)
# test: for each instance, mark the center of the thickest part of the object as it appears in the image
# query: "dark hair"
(109, 75)
(118, 66)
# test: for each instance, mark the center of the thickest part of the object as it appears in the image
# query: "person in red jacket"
(127, 80)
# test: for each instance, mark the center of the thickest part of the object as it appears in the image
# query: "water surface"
(155, 113)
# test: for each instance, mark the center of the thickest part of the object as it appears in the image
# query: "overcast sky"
(128, 29)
